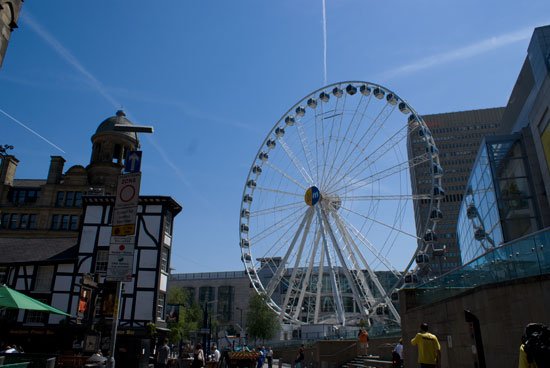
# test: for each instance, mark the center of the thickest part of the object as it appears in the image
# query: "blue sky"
(213, 77)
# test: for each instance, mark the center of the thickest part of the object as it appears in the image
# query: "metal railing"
(520, 258)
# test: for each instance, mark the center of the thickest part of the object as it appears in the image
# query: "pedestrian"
(534, 351)
(429, 350)
(298, 362)
(215, 354)
(363, 338)
(261, 358)
(163, 354)
(397, 355)
(269, 356)
(198, 357)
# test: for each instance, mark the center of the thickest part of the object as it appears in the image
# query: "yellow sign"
(123, 230)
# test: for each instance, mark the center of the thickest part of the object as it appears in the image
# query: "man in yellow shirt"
(429, 350)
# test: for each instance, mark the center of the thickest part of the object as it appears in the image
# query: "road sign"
(132, 163)
(127, 191)
(121, 262)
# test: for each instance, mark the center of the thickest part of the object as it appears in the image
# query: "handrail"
(354, 345)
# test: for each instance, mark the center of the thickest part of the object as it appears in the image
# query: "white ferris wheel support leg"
(319, 286)
(279, 273)
(305, 280)
(356, 294)
(336, 291)
(371, 273)
(292, 284)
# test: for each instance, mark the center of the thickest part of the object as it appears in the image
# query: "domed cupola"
(109, 148)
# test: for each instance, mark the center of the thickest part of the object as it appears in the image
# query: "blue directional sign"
(132, 163)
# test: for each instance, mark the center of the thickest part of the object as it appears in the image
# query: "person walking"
(215, 354)
(299, 361)
(429, 350)
(363, 337)
(198, 357)
(397, 355)
(269, 355)
(163, 355)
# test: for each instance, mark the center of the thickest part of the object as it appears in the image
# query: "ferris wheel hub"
(312, 196)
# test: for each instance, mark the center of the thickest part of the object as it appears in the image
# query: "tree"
(190, 314)
(262, 322)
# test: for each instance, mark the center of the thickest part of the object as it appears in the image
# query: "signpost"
(120, 266)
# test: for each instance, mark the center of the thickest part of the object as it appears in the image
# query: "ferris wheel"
(327, 229)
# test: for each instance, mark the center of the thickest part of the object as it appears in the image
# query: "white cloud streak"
(66, 55)
(29, 20)
(461, 53)
(32, 131)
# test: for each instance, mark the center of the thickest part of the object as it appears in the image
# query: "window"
(14, 220)
(37, 317)
(4, 274)
(32, 221)
(101, 261)
(22, 196)
(160, 306)
(164, 259)
(64, 222)
(44, 276)
(73, 225)
(168, 222)
(68, 199)
(60, 201)
(4, 223)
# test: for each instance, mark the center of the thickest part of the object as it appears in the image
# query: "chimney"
(56, 170)
(7, 170)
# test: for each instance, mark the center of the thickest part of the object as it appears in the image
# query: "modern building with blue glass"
(506, 195)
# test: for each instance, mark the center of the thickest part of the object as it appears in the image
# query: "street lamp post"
(241, 325)
(116, 312)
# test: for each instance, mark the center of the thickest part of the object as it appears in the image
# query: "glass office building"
(498, 205)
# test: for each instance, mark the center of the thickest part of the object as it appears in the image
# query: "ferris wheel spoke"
(335, 289)
(374, 156)
(275, 209)
(275, 227)
(381, 223)
(333, 117)
(388, 197)
(370, 133)
(271, 190)
(286, 175)
(371, 248)
(339, 250)
(351, 145)
(381, 290)
(297, 164)
(319, 286)
(406, 165)
(279, 273)
(305, 147)
(353, 254)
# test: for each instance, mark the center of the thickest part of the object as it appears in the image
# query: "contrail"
(67, 56)
(32, 131)
(92, 81)
(462, 53)
(325, 42)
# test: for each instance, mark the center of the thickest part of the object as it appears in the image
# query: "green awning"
(10, 298)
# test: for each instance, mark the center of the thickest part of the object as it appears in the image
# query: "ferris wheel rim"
(252, 272)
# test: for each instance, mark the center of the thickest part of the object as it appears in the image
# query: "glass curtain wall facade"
(498, 205)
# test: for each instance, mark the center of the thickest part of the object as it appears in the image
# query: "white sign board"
(127, 190)
(121, 261)
(126, 203)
